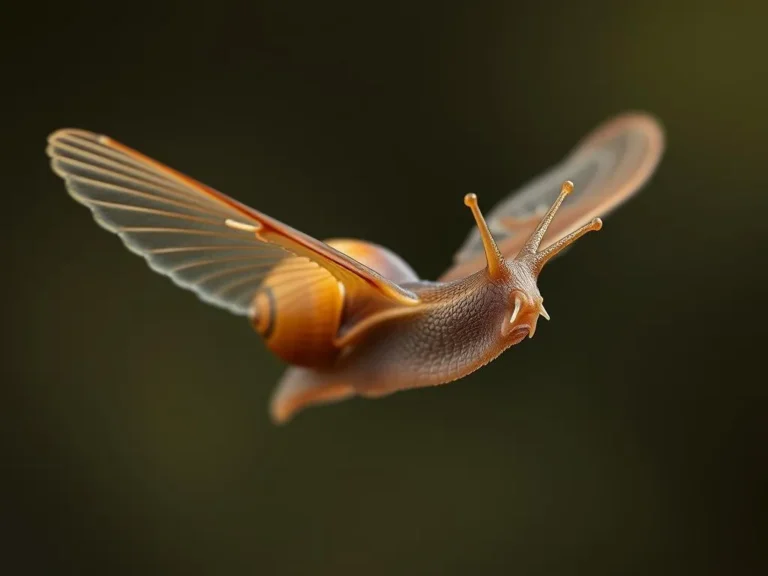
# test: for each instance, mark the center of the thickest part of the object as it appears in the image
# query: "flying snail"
(348, 316)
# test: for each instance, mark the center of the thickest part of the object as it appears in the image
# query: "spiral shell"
(299, 307)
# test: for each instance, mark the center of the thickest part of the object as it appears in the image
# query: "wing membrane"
(181, 228)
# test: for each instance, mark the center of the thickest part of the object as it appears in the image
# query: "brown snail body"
(351, 317)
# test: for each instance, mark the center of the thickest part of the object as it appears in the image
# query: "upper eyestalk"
(538, 259)
(492, 254)
(530, 251)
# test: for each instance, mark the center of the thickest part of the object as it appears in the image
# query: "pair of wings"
(222, 250)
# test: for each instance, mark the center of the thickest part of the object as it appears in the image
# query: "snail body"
(352, 318)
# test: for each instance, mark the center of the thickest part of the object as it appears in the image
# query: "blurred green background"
(628, 437)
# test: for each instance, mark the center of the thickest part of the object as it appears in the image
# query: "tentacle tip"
(567, 187)
(470, 200)
(597, 224)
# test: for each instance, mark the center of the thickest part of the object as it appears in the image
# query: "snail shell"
(299, 307)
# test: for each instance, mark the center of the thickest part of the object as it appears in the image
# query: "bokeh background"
(628, 437)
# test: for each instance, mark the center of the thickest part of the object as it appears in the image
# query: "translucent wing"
(201, 238)
(607, 167)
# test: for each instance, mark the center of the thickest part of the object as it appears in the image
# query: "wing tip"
(640, 121)
(64, 133)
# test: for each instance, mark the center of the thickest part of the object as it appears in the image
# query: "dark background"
(626, 438)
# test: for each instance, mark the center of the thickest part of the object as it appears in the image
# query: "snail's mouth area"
(518, 334)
